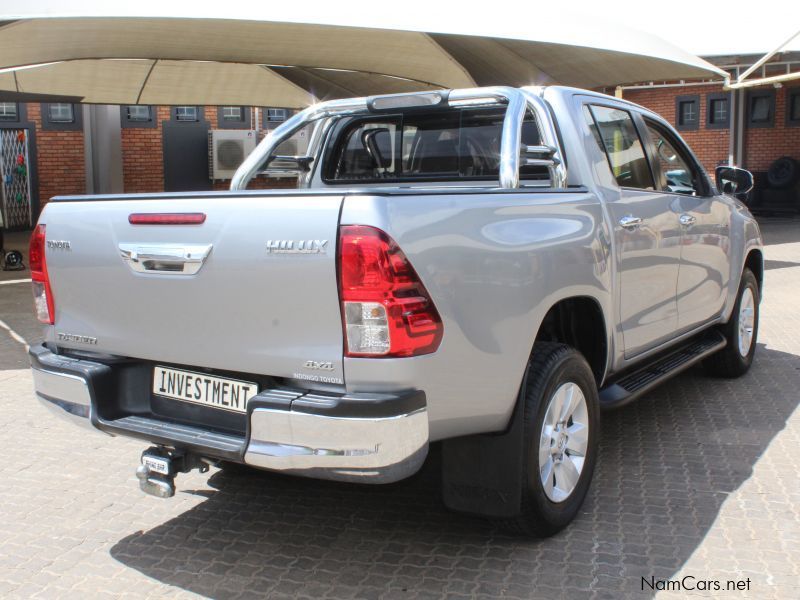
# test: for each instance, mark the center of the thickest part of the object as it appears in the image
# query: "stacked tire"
(783, 173)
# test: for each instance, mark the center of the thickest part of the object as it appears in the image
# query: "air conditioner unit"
(227, 149)
(297, 145)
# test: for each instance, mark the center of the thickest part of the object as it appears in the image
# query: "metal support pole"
(732, 129)
(764, 59)
(739, 158)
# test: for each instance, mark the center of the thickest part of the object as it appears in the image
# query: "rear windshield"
(421, 146)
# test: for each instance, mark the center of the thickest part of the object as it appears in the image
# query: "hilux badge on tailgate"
(296, 246)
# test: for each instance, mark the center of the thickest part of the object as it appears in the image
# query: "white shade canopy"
(259, 55)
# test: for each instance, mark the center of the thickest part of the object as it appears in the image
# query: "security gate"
(15, 179)
(185, 157)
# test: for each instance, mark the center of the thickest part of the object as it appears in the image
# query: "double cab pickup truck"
(484, 268)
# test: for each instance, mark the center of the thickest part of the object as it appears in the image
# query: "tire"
(733, 361)
(783, 172)
(555, 368)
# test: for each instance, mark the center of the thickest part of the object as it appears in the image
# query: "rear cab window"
(443, 145)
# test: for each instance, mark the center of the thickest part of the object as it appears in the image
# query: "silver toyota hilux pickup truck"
(487, 268)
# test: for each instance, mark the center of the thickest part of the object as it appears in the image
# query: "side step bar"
(633, 385)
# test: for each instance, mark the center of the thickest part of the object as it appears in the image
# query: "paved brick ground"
(699, 479)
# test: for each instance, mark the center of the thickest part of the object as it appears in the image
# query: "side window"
(615, 132)
(680, 175)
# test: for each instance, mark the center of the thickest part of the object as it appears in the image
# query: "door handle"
(630, 222)
(166, 259)
(687, 220)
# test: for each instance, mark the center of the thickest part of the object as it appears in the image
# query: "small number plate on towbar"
(156, 464)
(201, 388)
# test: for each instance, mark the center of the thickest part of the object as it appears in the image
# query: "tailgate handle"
(165, 259)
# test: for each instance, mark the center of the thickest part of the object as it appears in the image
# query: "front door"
(705, 228)
(646, 233)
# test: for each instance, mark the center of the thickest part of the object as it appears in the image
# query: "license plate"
(201, 388)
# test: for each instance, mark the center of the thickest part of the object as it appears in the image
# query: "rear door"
(263, 299)
(646, 233)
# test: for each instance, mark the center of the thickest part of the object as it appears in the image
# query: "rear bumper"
(62, 385)
(370, 438)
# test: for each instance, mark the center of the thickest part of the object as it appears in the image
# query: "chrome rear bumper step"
(170, 434)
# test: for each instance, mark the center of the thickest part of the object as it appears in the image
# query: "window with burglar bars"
(8, 111)
(186, 113)
(718, 111)
(138, 112)
(61, 113)
(233, 113)
(61, 116)
(276, 115)
(687, 112)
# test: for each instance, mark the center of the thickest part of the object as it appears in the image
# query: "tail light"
(42, 294)
(386, 309)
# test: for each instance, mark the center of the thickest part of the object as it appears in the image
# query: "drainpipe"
(88, 146)
(732, 128)
(740, 126)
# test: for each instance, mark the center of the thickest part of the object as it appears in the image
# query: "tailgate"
(263, 301)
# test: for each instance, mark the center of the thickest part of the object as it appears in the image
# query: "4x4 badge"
(296, 246)
(318, 365)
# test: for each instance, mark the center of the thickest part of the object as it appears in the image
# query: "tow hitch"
(159, 467)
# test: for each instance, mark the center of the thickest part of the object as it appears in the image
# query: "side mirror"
(733, 180)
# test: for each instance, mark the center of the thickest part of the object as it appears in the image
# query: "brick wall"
(761, 145)
(60, 165)
(709, 145)
(143, 156)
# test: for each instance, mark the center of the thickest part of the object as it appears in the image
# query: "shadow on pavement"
(667, 464)
(16, 312)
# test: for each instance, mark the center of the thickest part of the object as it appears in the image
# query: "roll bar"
(512, 153)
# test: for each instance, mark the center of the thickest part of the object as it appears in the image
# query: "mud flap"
(482, 474)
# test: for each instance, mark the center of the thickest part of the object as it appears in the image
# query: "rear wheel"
(741, 332)
(561, 416)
